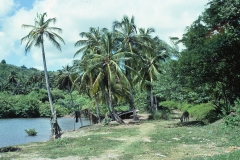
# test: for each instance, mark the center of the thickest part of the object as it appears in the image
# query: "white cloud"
(5, 7)
(168, 17)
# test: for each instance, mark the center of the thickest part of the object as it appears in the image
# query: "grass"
(147, 139)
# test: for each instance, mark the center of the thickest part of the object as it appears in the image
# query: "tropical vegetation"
(127, 68)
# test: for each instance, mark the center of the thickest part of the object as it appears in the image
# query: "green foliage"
(44, 110)
(31, 132)
(204, 112)
(207, 67)
(57, 94)
(184, 106)
(233, 119)
(142, 102)
(106, 121)
(3, 61)
(61, 111)
(18, 106)
(170, 104)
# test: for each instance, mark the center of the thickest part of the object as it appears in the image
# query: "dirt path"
(119, 150)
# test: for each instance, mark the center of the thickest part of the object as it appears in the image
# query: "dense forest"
(126, 68)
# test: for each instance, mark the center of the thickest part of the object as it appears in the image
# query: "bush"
(61, 111)
(170, 104)
(184, 106)
(203, 112)
(44, 109)
(31, 132)
(233, 120)
(106, 121)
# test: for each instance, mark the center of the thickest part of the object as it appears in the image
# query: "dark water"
(12, 131)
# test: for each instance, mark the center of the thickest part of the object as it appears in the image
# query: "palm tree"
(32, 80)
(64, 80)
(92, 78)
(90, 41)
(126, 33)
(107, 61)
(151, 57)
(35, 37)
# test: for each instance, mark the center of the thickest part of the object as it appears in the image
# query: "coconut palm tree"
(126, 33)
(90, 80)
(108, 59)
(64, 80)
(90, 41)
(35, 37)
(151, 57)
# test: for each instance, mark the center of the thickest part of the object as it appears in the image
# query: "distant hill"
(21, 72)
(12, 76)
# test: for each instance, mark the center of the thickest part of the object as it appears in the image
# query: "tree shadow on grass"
(189, 123)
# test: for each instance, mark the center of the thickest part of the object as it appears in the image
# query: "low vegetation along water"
(12, 131)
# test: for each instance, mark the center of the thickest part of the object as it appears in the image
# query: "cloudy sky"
(168, 17)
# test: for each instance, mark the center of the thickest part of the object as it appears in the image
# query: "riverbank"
(146, 139)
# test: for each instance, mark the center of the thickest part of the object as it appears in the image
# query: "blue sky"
(27, 4)
(167, 17)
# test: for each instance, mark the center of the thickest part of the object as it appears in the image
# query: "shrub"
(31, 132)
(106, 121)
(44, 109)
(61, 111)
(204, 112)
(170, 104)
(233, 120)
(184, 106)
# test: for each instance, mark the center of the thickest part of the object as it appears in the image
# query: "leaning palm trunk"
(116, 117)
(135, 117)
(106, 99)
(55, 129)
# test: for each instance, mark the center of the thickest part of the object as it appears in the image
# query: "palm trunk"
(156, 102)
(135, 117)
(151, 100)
(116, 117)
(97, 108)
(55, 129)
(70, 92)
(131, 98)
(109, 110)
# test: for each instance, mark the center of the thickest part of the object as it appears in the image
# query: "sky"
(169, 18)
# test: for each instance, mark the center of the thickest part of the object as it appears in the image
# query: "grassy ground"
(147, 139)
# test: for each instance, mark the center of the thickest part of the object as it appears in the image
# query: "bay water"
(12, 131)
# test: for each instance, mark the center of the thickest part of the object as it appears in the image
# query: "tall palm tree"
(90, 41)
(126, 33)
(90, 81)
(151, 57)
(35, 37)
(108, 59)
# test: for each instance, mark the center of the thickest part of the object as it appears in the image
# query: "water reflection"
(12, 131)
